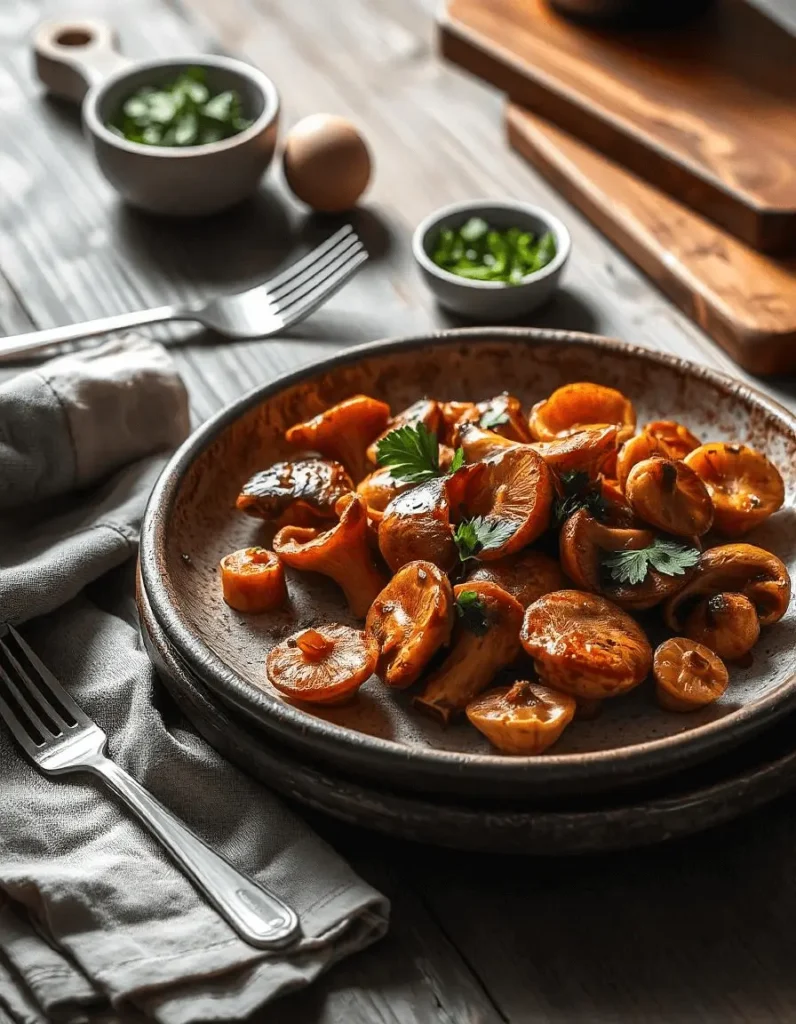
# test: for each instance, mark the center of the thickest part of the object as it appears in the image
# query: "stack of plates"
(633, 775)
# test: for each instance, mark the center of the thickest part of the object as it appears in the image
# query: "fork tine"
(303, 306)
(310, 258)
(22, 701)
(318, 280)
(18, 730)
(280, 294)
(50, 683)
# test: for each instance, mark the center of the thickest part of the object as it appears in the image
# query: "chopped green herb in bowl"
(480, 252)
(183, 112)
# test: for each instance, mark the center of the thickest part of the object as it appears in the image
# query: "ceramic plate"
(191, 522)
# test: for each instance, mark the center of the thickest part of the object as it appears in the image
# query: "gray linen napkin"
(92, 912)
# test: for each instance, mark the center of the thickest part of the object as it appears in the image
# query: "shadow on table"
(566, 311)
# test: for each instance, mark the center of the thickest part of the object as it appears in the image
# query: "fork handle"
(36, 341)
(258, 916)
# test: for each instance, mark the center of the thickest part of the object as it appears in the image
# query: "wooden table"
(700, 930)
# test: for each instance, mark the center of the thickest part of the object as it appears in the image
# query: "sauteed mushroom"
(253, 580)
(726, 623)
(379, 488)
(679, 440)
(525, 718)
(479, 444)
(478, 651)
(425, 411)
(341, 552)
(589, 451)
(671, 496)
(638, 449)
(410, 620)
(322, 666)
(584, 645)
(416, 526)
(343, 432)
(575, 407)
(526, 576)
(300, 493)
(453, 414)
(503, 415)
(744, 485)
(688, 676)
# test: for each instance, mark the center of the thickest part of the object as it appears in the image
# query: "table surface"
(699, 930)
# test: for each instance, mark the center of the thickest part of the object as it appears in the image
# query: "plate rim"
(645, 759)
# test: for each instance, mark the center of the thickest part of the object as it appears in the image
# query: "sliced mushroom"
(410, 620)
(584, 645)
(425, 411)
(688, 676)
(300, 493)
(588, 451)
(322, 666)
(341, 552)
(526, 576)
(670, 496)
(253, 580)
(726, 623)
(745, 486)
(525, 718)
(735, 569)
(344, 432)
(679, 440)
(475, 658)
(575, 407)
(416, 526)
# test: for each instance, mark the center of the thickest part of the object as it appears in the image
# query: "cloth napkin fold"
(92, 912)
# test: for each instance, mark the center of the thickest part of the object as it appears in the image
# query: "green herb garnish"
(456, 462)
(181, 113)
(412, 454)
(473, 536)
(495, 415)
(482, 253)
(471, 609)
(580, 491)
(665, 556)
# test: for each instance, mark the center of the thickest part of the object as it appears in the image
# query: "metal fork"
(59, 737)
(264, 310)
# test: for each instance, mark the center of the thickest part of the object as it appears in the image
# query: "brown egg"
(327, 163)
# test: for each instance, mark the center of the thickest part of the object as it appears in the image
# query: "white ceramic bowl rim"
(95, 95)
(481, 206)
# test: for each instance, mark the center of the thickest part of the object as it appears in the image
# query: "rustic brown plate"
(191, 522)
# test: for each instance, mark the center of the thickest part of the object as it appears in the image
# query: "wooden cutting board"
(707, 113)
(743, 299)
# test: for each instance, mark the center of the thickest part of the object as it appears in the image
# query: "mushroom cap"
(525, 718)
(745, 486)
(425, 411)
(527, 576)
(670, 496)
(343, 432)
(479, 444)
(726, 623)
(589, 451)
(501, 415)
(678, 439)
(380, 487)
(578, 406)
(638, 449)
(296, 493)
(323, 666)
(410, 620)
(740, 569)
(453, 413)
(688, 675)
(416, 527)
(584, 645)
(253, 580)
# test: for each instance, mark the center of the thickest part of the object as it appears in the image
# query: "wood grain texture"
(745, 300)
(708, 113)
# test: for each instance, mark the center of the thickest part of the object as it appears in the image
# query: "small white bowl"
(491, 301)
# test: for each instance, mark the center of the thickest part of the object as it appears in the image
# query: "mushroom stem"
(522, 693)
(314, 645)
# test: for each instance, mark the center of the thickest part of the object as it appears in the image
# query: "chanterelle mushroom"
(343, 432)
(678, 439)
(253, 580)
(478, 444)
(688, 675)
(575, 407)
(525, 718)
(410, 620)
(587, 451)
(485, 640)
(584, 645)
(527, 576)
(744, 485)
(670, 496)
(503, 415)
(341, 552)
(300, 493)
(726, 623)
(322, 666)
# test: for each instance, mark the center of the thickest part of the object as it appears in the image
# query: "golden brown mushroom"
(479, 444)
(584, 645)
(688, 676)
(575, 407)
(322, 666)
(503, 415)
(525, 718)
(735, 569)
(253, 580)
(587, 451)
(726, 623)
(670, 496)
(453, 414)
(679, 440)
(343, 432)
(745, 486)
(482, 645)
(638, 449)
(379, 488)
(527, 576)
(410, 620)
(416, 526)
(301, 493)
(341, 552)
(425, 411)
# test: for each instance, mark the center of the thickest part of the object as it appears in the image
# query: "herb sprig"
(411, 453)
(665, 556)
(472, 536)
(579, 492)
(472, 612)
(495, 415)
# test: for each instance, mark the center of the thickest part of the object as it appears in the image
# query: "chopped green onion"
(482, 253)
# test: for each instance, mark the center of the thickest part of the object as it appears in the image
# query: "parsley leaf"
(456, 462)
(473, 536)
(665, 556)
(579, 492)
(495, 415)
(411, 452)
(471, 609)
